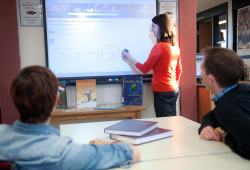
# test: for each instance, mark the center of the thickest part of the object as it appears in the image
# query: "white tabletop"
(184, 145)
(219, 161)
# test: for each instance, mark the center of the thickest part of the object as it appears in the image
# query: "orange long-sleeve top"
(165, 61)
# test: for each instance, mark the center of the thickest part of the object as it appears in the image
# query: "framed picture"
(243, 31)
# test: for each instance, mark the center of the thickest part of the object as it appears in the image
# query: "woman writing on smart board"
(164, 59)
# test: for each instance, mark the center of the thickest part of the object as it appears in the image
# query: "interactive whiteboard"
(85, 38)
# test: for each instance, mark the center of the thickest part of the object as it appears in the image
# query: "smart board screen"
(85, 38)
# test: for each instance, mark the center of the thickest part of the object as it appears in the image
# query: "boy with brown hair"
(32, 144)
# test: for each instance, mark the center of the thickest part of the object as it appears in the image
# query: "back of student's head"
(224, 64)
(166, 28)
(34, 91)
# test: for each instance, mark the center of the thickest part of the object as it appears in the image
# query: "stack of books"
(137, 131)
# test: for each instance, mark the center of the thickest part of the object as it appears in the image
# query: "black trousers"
(165, 103)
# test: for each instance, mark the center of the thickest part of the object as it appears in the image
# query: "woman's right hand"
(126, 54)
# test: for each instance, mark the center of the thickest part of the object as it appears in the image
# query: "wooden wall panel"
(205, 35)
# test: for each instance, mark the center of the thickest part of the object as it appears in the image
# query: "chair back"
(5, 165)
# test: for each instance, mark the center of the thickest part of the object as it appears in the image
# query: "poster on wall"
(30, 12)
(243, 31)
(169, 7)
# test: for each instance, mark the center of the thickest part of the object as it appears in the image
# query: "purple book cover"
(129, 126)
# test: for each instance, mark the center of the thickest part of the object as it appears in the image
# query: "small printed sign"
(169, 7)
(30, 12)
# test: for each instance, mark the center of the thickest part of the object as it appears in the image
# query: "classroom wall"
(31, 50)
(23, 46)
(31, 42)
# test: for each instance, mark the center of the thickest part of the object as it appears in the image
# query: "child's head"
(34, 92)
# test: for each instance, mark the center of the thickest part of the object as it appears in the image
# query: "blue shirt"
(221, 94)
(38, 146)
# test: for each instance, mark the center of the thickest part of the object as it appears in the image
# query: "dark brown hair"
(166, 28)
(224, 64)
(34, 91)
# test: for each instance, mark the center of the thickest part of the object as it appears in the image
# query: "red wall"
(187, 34)
(9, 57)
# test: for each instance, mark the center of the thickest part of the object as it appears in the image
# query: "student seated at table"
(221, 70)
(32, 144)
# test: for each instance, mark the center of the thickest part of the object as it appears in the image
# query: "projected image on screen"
(86, 38)
(199, 58)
